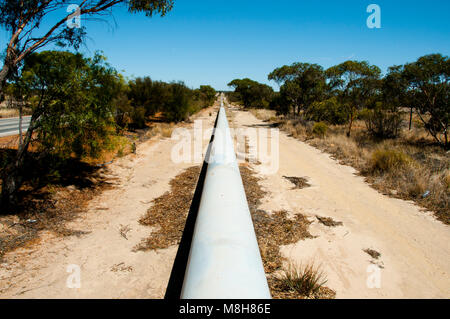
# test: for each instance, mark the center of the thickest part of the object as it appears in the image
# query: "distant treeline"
(356, 89)
(143, 97)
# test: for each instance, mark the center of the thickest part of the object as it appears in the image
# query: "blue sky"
(213, 42)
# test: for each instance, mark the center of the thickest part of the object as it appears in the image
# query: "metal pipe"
(224, 260)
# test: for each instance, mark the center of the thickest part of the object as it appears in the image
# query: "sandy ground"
(109, 268)
(414, 247)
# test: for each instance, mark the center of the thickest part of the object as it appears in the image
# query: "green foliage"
(207, 94)
(320, 129)
(302, 84)
(233, 97)
(175, 100)
(177, 106)
(72, 97)
(201, 98)
(355, 88)
(138, 117)
(252, 93)
(279, 104)
(330, 111)
(149, 7)
(355, 84)
(428, 83)
(381, 121)
(151, 95)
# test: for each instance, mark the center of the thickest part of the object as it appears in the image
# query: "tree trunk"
(12, 176)
(350, 124)
(410, 118)
(20, 124)
(4, 72)
(446, 144)
(12, 180)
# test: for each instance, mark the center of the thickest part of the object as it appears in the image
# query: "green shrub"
(175, 100)
(330, 111)
(177, 107)
(389, 159)
(138, 117)
(381, 122)
(320, 129)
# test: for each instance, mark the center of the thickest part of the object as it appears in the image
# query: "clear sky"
(215, 41)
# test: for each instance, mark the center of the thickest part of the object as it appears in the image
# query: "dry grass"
(299, 182)
(13, 112)
(123, 231)
(372, 253)
(328, 221)
(388, 160)
(300, 282)
(161, 129)
(295, 130)
(48, 209)
(169, 212)
(264, 114)
(409, 167)
(54, 195)
(272, 231)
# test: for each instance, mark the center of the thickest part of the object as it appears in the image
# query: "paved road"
(10, 126)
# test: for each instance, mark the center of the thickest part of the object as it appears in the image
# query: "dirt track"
(414, 247)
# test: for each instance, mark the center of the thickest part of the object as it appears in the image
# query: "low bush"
(386, 160)
(381, 122)
(320, 129)
(330, 111)
(138, 117)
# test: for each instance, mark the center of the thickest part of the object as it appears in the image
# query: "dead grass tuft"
(372, 253)
(299, 182)
(301, 282)
(328, 221)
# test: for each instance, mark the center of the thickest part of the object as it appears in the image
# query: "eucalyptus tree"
(252, 93)
(301, 84)
(355, 84)
(428, 91)
(71, 98)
